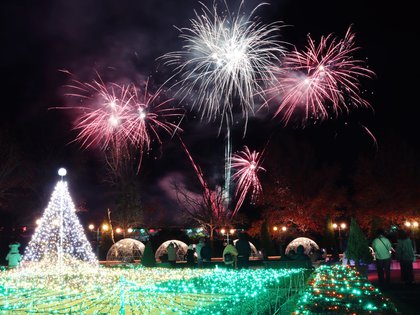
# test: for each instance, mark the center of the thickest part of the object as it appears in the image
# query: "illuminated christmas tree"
(59, 235)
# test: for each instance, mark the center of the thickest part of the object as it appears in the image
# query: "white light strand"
(47, 242)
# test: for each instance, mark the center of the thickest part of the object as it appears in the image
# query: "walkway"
(405, 297)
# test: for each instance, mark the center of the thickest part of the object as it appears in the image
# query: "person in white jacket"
(14, 257)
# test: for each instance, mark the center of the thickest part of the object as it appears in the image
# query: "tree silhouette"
(386, 192)
(148, 259)
(299, 189)
(357, 245)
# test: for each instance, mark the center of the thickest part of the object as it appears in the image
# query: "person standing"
(172, 254)
(190, 256)
(230, 256)
(244, 251)
(198, 248)
(206, 254)
(300, 254)
(405, 255)
(14, 257)
(382, 248)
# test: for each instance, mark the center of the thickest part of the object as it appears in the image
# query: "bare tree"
(12, 177)
(122, 177)
(207, 210)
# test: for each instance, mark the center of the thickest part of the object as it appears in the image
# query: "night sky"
(122, 39)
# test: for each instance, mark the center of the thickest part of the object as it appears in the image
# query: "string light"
(135, 290)
(342, 290)
(59, 232)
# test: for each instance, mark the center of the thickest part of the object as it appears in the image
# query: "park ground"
(405, 297)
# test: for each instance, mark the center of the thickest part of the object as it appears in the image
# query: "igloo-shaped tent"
(126, 250)
(254, 252)
(180, 252)
(308, 244)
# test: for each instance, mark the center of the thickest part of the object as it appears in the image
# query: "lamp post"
(97, 230)
(339, 227)
(276, 228)
(227, 232)
(282, 229)
(411, 225)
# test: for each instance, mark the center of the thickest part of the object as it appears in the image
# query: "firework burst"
(247, 165)
(321, 81)
(146, 116)
(100, 119)
(223, 59)
(121, 117)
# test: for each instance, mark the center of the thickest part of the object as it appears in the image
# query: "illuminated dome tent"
(254, 252)
(180, 253)
(308, 244)
(126, 250)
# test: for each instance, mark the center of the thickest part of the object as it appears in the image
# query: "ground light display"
(54, 279)
(342, 290)
(83, 289)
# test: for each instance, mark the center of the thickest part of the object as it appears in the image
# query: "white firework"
(226, 59)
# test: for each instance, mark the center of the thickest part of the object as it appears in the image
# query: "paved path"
(405, 297)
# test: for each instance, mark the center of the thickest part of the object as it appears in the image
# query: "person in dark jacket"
(405, 255)
(244, 251)
(300, 254)
(190, 256)
(206, 254)
(289, 256)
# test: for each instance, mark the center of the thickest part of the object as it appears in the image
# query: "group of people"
(299, 254)
(404, 253)
(234, 256)
(237, 256)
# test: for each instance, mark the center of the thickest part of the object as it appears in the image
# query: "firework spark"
(146, 116)
(247, 165)
(208, 195)
(121, 116)
(225, 57)
(100, 121)
(322, 80)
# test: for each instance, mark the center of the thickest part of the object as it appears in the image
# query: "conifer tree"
(59, 233)
(148, 259)
(357, 245)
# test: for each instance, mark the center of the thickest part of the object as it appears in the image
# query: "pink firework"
(247, 165)
(146, 116)
(101, 119)
(121, 116)
(321, 81)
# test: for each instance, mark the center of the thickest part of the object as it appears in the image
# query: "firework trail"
(121, 117)
(321, 81)
(224, 60)
(247, 165)
(208, 195)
